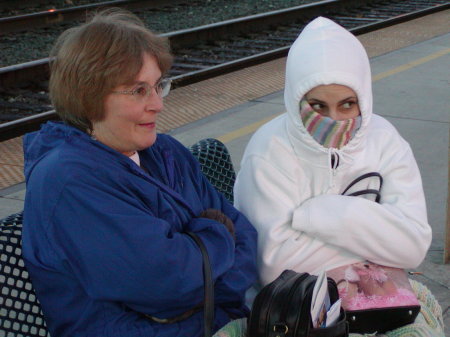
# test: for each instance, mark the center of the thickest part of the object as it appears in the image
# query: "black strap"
(366, 191)
(179, 318)
(208, 304)
(209, 287)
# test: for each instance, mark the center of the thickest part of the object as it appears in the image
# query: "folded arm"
(120, 251)
(394, 232)
(269, 197)
(231, 286)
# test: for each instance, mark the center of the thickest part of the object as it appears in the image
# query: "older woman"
(296, 169)
(109, 200)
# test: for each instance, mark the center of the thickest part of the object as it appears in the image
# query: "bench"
(20, 312)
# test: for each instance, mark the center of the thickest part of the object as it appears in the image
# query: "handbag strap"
(208, 304)
(366, 191)
(209, 287)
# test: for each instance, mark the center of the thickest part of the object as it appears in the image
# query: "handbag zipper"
(305, 312)
(285, 309)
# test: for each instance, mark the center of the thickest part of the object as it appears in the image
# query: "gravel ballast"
(35, 44)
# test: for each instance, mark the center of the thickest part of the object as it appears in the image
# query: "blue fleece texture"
(104, 242)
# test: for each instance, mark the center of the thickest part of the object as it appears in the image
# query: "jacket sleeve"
(393, 233)
(231, 286)
(268, 197)
(119, 251)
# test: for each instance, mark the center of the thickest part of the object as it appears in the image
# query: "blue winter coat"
(103, 239)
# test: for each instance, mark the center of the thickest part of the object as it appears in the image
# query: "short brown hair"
(90, 60)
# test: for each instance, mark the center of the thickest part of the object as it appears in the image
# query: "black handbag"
(282, 309)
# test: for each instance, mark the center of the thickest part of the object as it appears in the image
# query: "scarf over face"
(326, 53)
(327, 131)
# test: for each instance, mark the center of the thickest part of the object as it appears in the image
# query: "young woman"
(297, 167)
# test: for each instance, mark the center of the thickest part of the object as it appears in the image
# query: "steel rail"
(57, 16)
(10, 75)
(195, 76)
(24, 125)
(257, 22)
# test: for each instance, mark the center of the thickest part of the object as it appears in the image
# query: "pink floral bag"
(375, 298)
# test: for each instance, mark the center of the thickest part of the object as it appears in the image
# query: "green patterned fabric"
(428, 323)
(235, 328)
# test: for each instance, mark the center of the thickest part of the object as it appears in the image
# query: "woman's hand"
(216, 215)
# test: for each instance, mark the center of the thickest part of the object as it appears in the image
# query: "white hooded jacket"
(291, 192)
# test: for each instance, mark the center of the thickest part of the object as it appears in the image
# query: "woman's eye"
(140, 91)
(316, 106)
(348, 105)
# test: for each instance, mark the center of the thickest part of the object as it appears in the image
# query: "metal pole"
(447, 227)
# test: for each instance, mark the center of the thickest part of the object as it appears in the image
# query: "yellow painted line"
(246, 129)
(228, 137)
(410, 65)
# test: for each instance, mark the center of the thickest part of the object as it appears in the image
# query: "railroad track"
(47, 15)
(211, 50)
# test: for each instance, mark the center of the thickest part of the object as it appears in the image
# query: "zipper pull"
(334, 161)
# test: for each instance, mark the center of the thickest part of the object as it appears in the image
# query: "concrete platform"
(411, 89)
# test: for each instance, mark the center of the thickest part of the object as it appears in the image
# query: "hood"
(37, 145)
(326, 53)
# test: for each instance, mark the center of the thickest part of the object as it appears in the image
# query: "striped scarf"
(327, 131)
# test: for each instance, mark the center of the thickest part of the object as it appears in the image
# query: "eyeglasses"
(144, 90)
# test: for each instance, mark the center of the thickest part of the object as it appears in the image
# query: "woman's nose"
(154, 102)
(333, 113)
